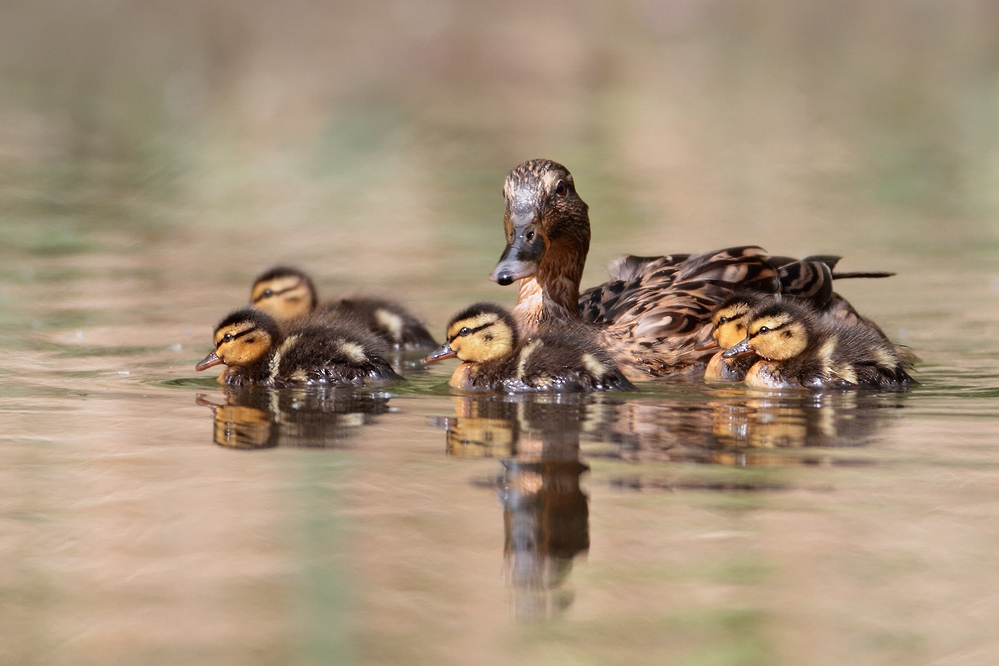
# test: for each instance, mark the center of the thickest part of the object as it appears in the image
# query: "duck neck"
(553, 292)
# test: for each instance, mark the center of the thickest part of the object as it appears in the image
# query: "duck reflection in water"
(258, 417)
(545, 512)
(729, 425)
(538, 438)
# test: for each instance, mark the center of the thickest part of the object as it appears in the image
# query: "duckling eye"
(227, 337)
(267, 293)
(464, 331)
(561, 189)
(722, 320)
(763, 329)
(529, 236)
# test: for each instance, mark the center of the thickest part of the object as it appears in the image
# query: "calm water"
(147, 174)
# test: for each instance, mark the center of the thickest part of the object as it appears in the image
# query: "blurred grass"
(758, 119)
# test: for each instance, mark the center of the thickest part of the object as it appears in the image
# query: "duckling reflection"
(545, 512)
(729, 425)
(308, 417)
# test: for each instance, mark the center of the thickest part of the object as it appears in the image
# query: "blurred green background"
(699, 122)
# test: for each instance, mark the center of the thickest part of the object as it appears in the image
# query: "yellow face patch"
(480, 338)
(284, 298)
(241, 344)
(730, 325)
(777, 338)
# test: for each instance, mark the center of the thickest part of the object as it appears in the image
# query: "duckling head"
(777, 333)
(284, 293)
(543, 213)
(732, 315)
(242, 339)
(482, 332)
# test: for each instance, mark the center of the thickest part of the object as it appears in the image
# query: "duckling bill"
(729, 322)
(251, 344)
(796, 349)
(494, 358)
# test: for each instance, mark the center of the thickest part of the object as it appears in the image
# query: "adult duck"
(655, 311)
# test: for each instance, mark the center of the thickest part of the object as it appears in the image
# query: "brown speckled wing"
(664, 306)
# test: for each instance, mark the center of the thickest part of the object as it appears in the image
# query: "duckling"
(289, 295)
(494, 357)
(251, 344)
(654, 312)
(798, 349)
(729, 322)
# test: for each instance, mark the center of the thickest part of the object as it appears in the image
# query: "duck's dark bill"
(521, 256)
(741, 349)
(443, 352)
(706, 345)
(208, 361)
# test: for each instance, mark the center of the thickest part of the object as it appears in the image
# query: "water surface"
(149, 517)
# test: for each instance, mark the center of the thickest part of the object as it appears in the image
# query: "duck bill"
(710, 343)
(208, 361)
(443, 352)
(523, 253)
(741, 349)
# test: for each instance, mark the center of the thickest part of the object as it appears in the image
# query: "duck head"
(731, 317)
(777, 333)
(284, 293)
(547, 230)
(482, 332)
(242, 339)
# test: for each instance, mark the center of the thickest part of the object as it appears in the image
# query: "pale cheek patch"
(525, 354)
(352, 350)
(847, 374)
(390, 321)
(593, 365)
(885, 359)
(826, 351)
(272, 369)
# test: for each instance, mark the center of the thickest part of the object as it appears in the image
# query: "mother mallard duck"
(654, 312)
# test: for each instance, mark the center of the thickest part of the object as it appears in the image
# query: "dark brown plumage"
(251, 344)
(797, 348)
(495, 358)
(653, 315)
(289, 295)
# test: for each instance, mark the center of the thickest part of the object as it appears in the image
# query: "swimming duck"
(653, 313)
(289, 295)
(494, 357)
(251, 344)
(729, 321)
(798, 349)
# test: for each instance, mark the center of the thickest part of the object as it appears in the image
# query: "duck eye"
(529, 236)
(227, 337)
(561, 189)
(267, 293)
(464, 331)
(722, 320)
(763, 329)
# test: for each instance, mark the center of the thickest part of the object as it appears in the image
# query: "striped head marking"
(777, 335)
(244, 338)
(284, 293)
(482, 333)
(730, 323)
(542, 209)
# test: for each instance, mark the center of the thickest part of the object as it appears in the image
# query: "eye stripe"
(276, 293)
(471, 330)
(771, 329)
(239, 334)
